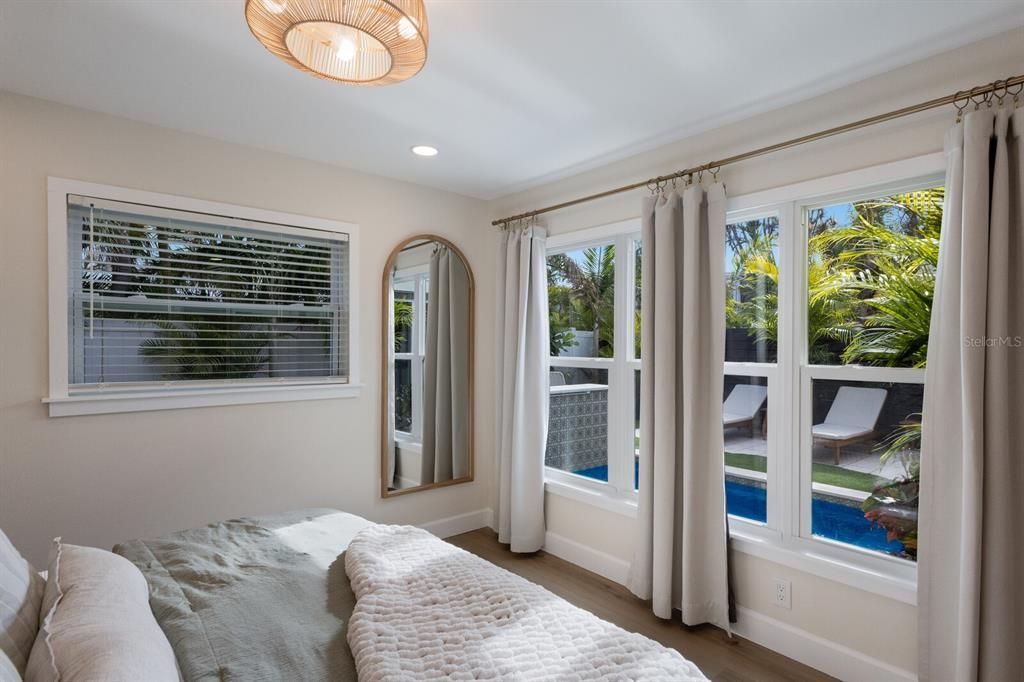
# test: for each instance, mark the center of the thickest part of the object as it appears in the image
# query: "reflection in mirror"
(428, 346)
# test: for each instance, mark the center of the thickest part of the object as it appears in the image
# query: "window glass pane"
(637, 297)
(581, 300)
(751, 290)
(871, 276)
(745, 425)
(404, 295)
(578, 422)
(159, 294)
(866, 464)
(636, 429)
(403, 395)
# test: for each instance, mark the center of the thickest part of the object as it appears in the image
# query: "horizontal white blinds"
(160, 295)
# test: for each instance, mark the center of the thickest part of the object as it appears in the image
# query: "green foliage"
(581, 295)
(820, 472)
(870, 284)
(403, 322)
(135, 259)
(893, 505)
(894, 508)
(202, 351)
(753, 278)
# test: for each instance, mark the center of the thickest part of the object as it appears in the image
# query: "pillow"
(21, 594)
(97, 624)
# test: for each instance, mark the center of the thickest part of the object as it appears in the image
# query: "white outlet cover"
(783, 593)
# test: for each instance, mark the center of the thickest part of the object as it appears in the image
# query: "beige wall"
(877, 626)
(100, 479)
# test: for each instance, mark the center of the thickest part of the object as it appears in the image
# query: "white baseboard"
(820, 653)
(605, 565)
(461, 523)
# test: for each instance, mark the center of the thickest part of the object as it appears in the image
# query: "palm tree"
(891, 256)
(584, 291)
(870, 284)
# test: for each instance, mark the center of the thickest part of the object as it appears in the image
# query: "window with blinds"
(160, 297)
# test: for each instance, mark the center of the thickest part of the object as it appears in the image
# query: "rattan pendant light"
(363, 42)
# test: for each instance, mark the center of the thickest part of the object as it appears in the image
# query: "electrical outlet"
(783, 598)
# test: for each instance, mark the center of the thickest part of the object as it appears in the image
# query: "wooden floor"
(720, 659)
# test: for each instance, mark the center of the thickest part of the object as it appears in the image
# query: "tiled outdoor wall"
(578, 430)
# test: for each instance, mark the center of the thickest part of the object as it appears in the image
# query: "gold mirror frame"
(386, 346)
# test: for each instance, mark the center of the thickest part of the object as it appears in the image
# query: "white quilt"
(427, 610)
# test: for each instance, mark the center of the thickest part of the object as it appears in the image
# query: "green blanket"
(254, 598)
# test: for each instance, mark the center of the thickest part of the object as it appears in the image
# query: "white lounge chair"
(851, 418)
(742, 405)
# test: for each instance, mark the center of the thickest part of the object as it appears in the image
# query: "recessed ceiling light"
(424, 150)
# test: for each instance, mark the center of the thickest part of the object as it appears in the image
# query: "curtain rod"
(985, 92)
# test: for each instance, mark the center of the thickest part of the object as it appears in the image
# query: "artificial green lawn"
(820, 473)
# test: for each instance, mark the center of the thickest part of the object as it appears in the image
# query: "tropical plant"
(893, 504)
(201, 350)
(870, 284)
(581, 295)
(158, 262)
(561, 335)
(402, 323)
(889, 258)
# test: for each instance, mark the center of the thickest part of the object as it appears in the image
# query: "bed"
(315, 594)
(255, 598)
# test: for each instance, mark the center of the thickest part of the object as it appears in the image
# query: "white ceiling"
(514, 92)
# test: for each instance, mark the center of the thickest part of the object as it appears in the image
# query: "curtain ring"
(995, 88)
(700, 176)
(652, 186)
(977, 102)
(1015, 93)
(960, 108)
(714, 173)
(673, 183)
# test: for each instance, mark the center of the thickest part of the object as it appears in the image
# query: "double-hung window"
(828, 290)
(159, 301)
(594, 370)
(410, 289)
(828, 303)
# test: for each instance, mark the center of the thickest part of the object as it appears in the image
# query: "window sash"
(66, 268)
(620, 367)
(416, 354)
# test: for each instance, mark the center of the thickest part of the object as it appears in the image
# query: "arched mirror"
(427, 379)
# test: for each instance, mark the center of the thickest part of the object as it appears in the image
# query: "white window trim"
(113, 399)
(780, 539)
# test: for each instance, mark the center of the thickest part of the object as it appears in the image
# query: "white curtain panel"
(446, 371)
(681, 556)
(522, 418)
(971, 529)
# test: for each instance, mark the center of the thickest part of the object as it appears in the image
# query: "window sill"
(585, 494)
(144, 401)
(824, 561)
(813, 557)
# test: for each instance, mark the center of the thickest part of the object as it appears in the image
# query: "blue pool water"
(828, 519)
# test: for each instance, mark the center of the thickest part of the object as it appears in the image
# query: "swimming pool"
(829, 519)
